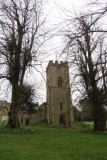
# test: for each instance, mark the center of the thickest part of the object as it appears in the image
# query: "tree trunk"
(99, 125)
(98, 108)
(99, 118)
(13, 121)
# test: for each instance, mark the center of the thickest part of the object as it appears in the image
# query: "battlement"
(51, 62)
(56, 63)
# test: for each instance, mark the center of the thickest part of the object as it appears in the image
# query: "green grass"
(43, 143)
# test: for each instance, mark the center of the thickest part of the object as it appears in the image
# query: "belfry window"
(60, 82)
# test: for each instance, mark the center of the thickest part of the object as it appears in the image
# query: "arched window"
(60, 81)
(60, 106)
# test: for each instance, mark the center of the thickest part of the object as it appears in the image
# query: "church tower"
(59, 105)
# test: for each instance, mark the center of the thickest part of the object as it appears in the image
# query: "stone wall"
(40, 115)
(4, 109)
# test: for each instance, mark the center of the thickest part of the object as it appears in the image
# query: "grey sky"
(57, 11)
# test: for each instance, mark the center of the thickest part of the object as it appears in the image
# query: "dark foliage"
(27, 98)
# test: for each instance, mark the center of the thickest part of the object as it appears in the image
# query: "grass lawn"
(52, 144)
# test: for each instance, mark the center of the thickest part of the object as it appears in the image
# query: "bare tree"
(21, 29)
(88, 54)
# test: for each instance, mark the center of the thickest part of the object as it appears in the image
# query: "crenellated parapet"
(57, 64)
(51, 62)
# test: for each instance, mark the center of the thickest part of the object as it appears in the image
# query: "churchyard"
(44, 143)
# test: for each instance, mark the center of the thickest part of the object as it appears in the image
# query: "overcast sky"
(56, 11)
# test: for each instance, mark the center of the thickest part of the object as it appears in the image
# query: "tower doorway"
(62, 120)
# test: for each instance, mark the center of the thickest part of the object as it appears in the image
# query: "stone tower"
(59, 106)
